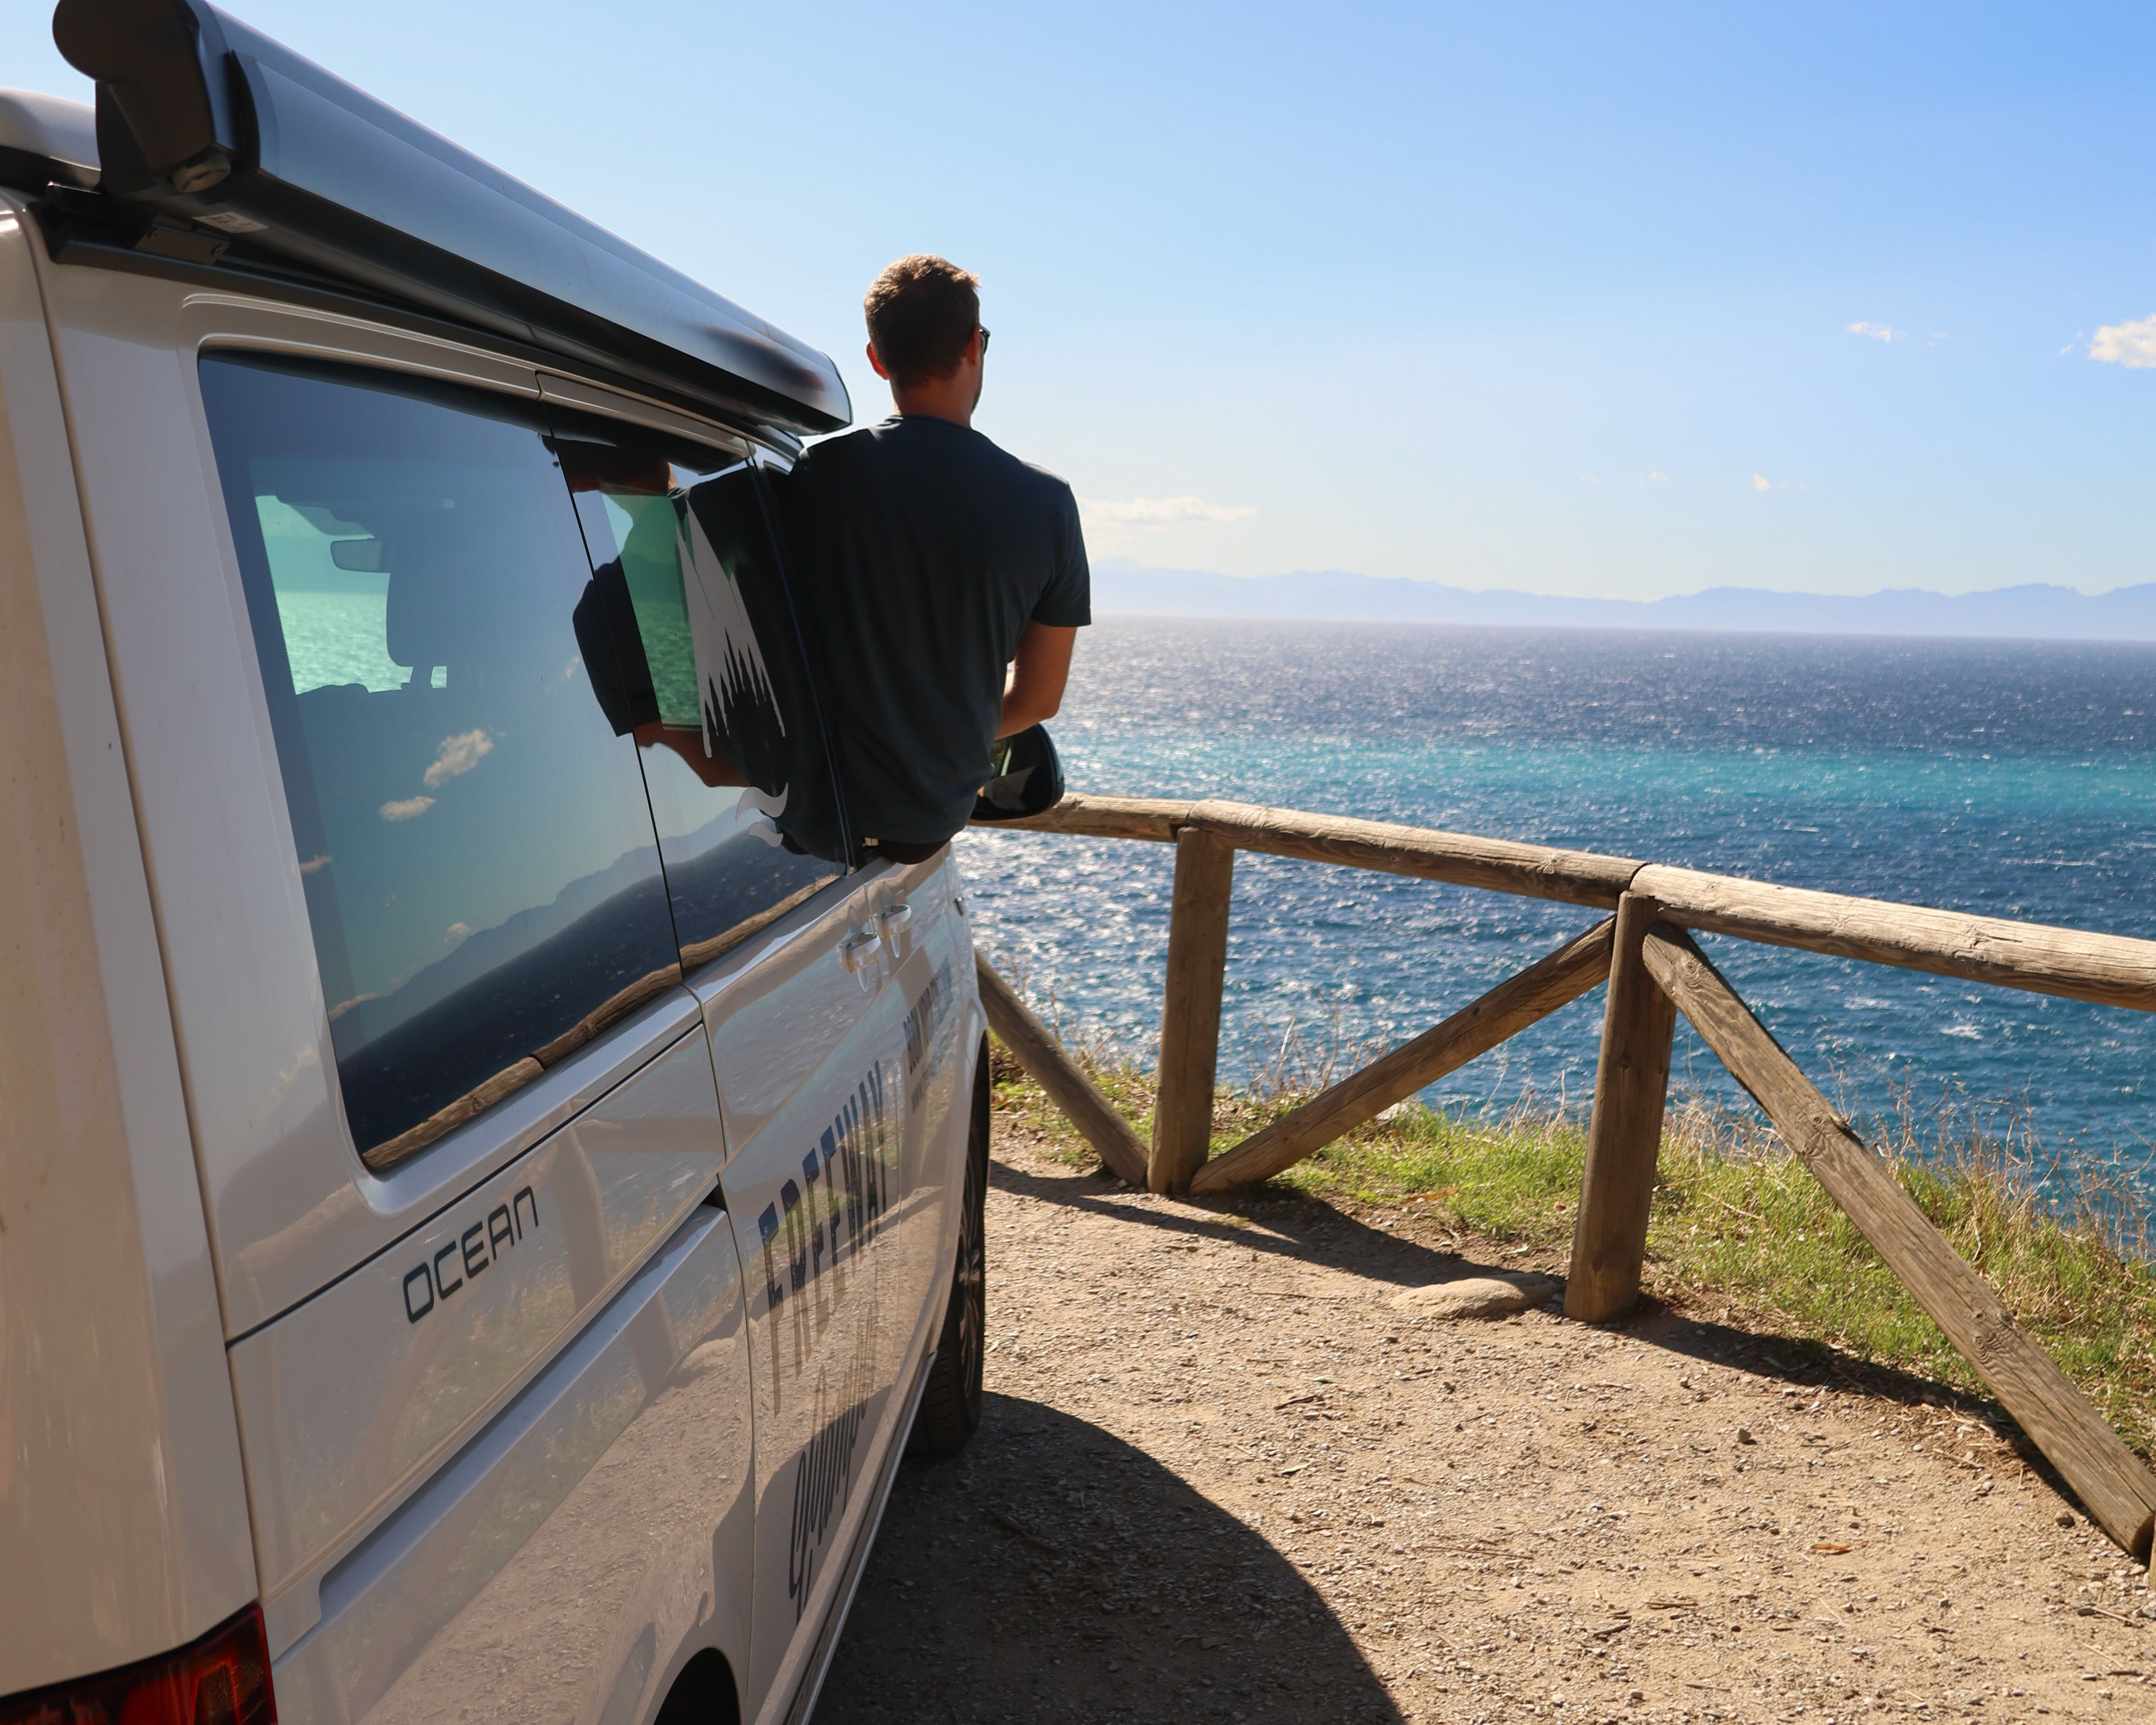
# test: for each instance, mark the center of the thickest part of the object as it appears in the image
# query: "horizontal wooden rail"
(1517, 1002)
(2108, 970)
(2119, 1491)
(1575, 877)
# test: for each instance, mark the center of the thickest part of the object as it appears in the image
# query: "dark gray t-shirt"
(925, 551)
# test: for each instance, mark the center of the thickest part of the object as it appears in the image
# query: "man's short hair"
(921, 312)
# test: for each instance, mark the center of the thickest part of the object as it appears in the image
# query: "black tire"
(950, 1403)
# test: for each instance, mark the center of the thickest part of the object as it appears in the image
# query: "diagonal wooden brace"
(2118, 1491)
(1033, 1046)
(1519, 1001)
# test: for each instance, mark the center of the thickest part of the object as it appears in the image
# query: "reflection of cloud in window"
(407, 807)
(342, 1006)
(458, 754)
(456, 934)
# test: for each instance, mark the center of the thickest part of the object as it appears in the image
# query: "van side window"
(695, 651)
(477, 854)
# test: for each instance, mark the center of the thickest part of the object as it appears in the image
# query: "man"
(935, 560)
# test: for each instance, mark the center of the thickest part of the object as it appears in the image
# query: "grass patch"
(1738, 1225)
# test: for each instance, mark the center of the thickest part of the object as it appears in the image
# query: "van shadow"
(1055, 1571)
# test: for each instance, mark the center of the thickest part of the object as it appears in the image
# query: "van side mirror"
(1025, 778)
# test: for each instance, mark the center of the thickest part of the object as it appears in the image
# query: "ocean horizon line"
(1123, 587)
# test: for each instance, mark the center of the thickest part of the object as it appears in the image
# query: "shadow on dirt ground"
(1055, 1572)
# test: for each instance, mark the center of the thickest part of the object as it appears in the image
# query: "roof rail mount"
(208, 127)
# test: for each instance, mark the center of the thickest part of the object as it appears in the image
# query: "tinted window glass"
(479, 860)
(694, 650)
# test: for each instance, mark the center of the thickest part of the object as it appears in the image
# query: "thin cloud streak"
(1160, 511)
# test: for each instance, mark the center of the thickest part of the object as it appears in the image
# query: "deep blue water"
(2015, 780)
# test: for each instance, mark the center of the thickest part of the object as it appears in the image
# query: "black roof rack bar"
(203, 121)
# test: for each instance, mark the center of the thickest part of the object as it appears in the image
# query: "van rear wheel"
(951, 1402)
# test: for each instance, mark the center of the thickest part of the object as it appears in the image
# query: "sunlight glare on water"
(2005, 779)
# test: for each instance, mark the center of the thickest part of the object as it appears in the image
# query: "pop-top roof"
(214, 143)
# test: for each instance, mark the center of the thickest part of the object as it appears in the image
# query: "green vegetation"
(1741, 1232)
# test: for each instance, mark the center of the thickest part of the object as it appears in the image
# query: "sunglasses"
(984, 339)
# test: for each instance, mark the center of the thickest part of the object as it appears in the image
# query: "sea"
(2008, 779)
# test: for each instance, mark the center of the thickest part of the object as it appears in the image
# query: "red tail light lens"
(223, 1679)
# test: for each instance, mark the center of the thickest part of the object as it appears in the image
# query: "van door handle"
(896, 921)
(859, 953)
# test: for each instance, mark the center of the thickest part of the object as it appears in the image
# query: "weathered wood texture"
(1083, 815)
(2118, 1491)
(1505, 1011)
(1033, 1046)
(1190, 1010)
(2108, 968)
(1625, 1133)
(1533, 870)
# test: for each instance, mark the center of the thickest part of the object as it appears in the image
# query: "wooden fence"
(1642, 949)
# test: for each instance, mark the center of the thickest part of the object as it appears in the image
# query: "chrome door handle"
(859, 953)
(896, 921)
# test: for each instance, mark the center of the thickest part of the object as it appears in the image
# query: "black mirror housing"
(1026, 777)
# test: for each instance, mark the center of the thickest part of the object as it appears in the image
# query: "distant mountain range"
(1122, 587)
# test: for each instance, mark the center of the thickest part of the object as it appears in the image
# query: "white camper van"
(490, 1168)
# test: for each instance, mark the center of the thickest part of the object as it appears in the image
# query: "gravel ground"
(1233, 1468)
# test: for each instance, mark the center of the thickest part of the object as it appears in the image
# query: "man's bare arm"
(1038, 675)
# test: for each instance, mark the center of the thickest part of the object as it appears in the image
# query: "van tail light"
(223, 1679)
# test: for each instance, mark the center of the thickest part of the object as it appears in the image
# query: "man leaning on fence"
(948, 577)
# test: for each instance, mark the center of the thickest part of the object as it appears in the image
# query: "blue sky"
(1558, 297)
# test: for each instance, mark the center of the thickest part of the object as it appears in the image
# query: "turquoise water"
(2012, 780)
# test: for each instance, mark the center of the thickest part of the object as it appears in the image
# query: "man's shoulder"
(918, 447)
(1049, 489)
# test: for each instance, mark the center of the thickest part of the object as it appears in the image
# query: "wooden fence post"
(1190, 1010)
(1624, 1133)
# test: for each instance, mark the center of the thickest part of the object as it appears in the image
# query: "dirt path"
(1226, 1474)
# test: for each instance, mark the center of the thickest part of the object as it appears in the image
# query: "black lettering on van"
(428, 1283)
(811, 1177)
(846, 1162)
(414, 1313)
(824, 1477)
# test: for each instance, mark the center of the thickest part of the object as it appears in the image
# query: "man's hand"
(1038, 675)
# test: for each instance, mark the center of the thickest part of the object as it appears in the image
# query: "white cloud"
(1879, 331)
(407, 808)
(342, 1006)
(2132, 345)
(1760, 482)
(1658, 479)
(315, 864)
(458, 754)
(456, 934)
(1160, 511)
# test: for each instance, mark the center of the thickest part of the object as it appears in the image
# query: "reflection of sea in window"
(334, 619)
(475, 846)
